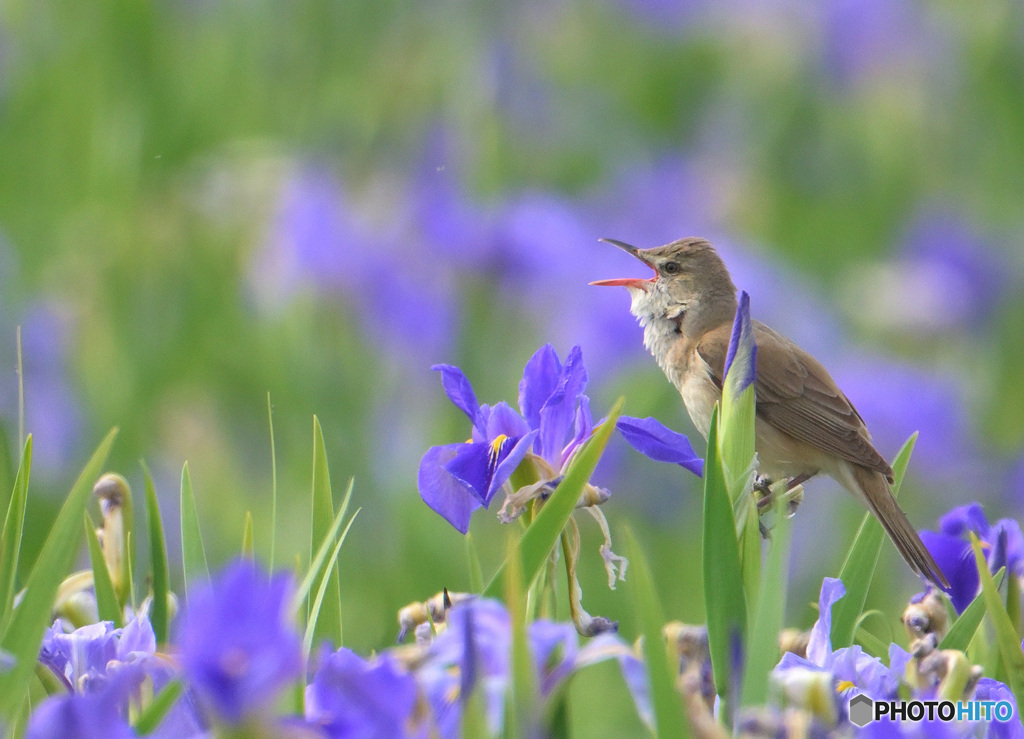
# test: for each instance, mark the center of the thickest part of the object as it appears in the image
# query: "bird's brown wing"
(795, 394)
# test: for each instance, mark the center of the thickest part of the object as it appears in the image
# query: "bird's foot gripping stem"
(788, 493)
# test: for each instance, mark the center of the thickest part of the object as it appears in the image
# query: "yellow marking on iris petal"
(844, 685)
(496, 446)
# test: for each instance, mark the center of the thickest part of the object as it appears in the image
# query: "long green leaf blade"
(763, 643)
(859, 567)
(523, 716)
(543, 534)
(107, 604)
(273, 485)
(10, 540)
(193, 554)
(315, 608)
(966, 625)
(158, 615)
(1006, 635)
(158, 708)
(723, 576)
(313, 572)
(328, 623)
(24, 632)
(669, 717)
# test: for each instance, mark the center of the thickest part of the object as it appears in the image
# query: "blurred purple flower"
(944, 261)
(352, 697)
(993, 690)
(850, 665)
(649, 437)
(456, 479)
(1002, 543)
(319, 240)
(81, 657)
(861, 37)
(95, 715)
(473, 653)
(239, 644)
(52, 413)
(897, 399)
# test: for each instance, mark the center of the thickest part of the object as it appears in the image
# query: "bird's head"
(690, 281)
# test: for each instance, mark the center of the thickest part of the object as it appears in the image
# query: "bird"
(804, 424)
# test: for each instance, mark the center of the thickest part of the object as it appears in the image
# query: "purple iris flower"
(852, 666)
(1002, 542)
(473, 654)
(80, 658)
(95, 715)
(353, 697)
(239, 645)
(456, 479)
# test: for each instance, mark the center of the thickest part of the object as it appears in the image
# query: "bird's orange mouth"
(633, 282)
(626, 282)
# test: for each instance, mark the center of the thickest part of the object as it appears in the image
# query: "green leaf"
(872, 644)
(723, 577)
(248, 551)
(10, 540)
(763, 644)
(315, 608)
(158, 708)
(193, 553)
(669, 717)
(273, 483)
(476, 574)
(313, 573)
(523, 716)
(1006, 635)
(24, 632)
(859, 568)
(736, 447)
(966, 625)
(328, 622)
(107, 605)
(158, 616)
(541, 537)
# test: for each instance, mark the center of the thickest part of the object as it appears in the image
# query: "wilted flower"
(239, 645)
(1002, 543)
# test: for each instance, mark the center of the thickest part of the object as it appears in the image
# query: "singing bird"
(804, 424)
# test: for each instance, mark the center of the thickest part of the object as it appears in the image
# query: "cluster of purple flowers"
(238, 650)
(823, 682)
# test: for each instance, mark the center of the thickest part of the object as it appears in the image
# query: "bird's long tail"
(879, 498)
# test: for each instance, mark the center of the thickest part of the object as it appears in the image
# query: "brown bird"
(803, 425)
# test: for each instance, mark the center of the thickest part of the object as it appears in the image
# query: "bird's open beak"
(634, 282)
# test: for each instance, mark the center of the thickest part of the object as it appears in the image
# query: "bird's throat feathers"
(661, 319)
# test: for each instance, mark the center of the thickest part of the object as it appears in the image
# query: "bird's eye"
(671, 268)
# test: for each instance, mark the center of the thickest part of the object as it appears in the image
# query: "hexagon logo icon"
(862, 710)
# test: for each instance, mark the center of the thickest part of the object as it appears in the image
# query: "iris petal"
(448, 496)
(651, 438)
(557, 415)
(540, 378)
(742, 351)
(459, 390)
(956, 560)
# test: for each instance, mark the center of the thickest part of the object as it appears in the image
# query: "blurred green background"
(203, 202)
